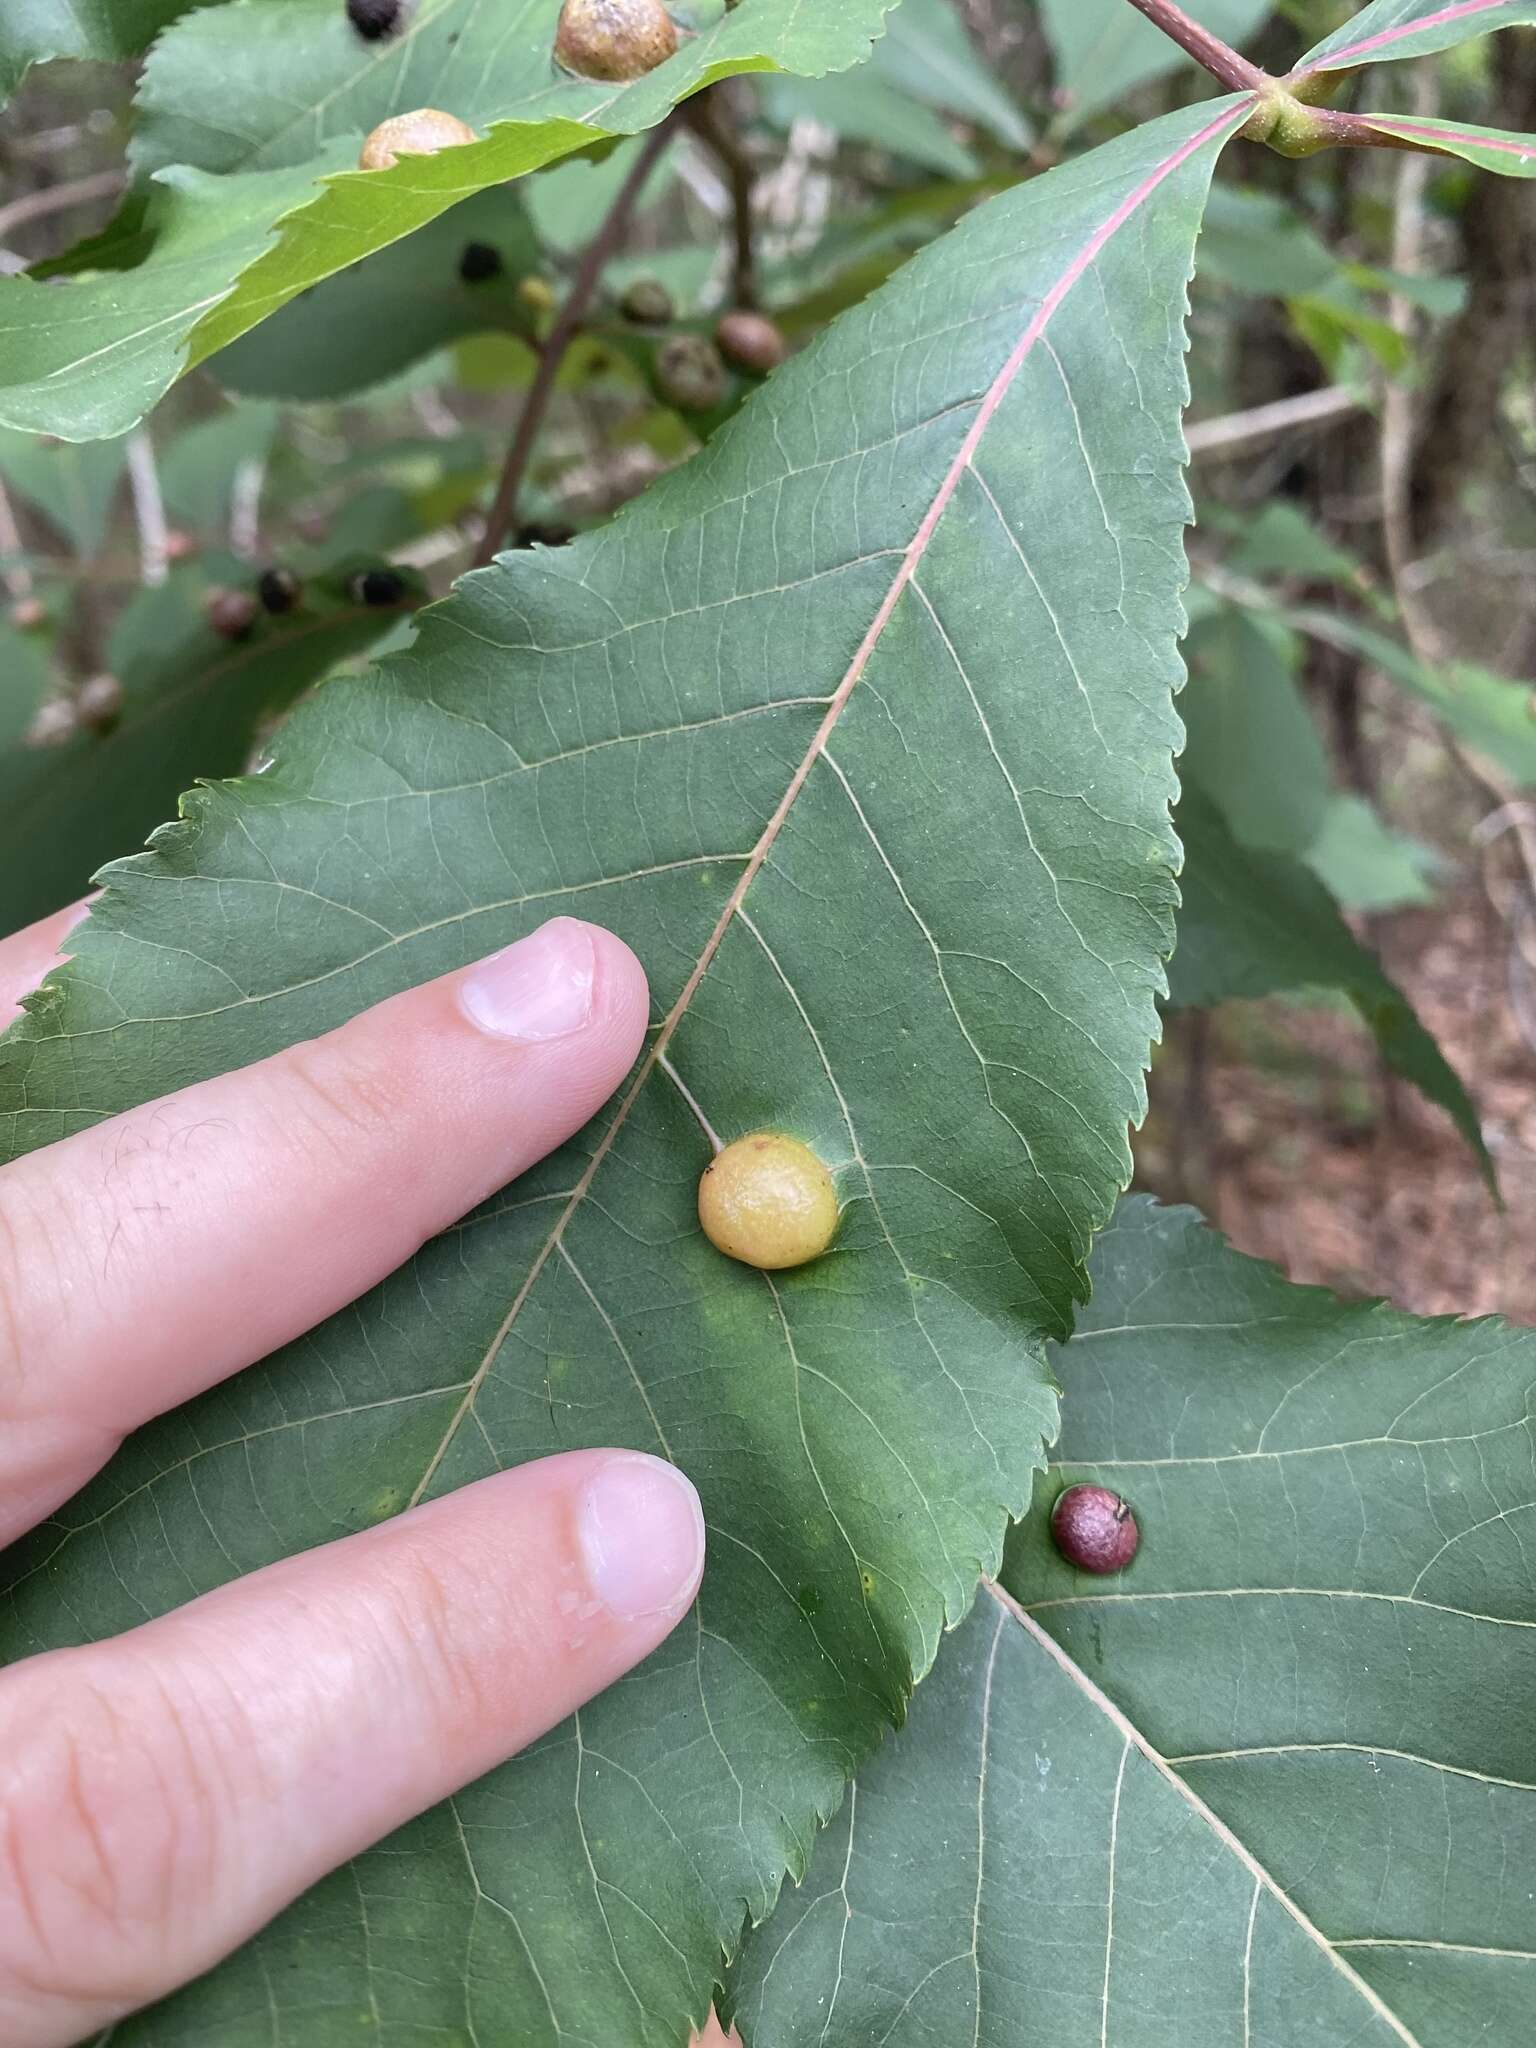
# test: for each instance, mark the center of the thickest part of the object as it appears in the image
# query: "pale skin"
(166, 1792)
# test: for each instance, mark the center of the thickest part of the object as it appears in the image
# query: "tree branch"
(703, 117)
(1259, 422)
(54, 198)
(1208, 51)
(567, 325)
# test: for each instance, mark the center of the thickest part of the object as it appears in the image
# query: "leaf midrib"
(1034, 330)
(1230, 1841)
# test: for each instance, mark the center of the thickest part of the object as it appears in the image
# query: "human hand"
(166, 1792)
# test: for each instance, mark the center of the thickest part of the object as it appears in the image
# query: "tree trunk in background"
(1482, 345)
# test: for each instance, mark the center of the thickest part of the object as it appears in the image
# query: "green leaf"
(567, 202)
(385, 313)
(192, 703)
(1255, 242)
(1491, 149)
(865, 108)
(1271, 1785)
(906, 627)
(1490, 712)
(1103, 49)
(1366, 865)
(73, 487)
(87, 358)
(1019, 1866)
(105, 30)
(1250, 742)
(293, 77)
(1258, 924)
(25, 680)
(1329, 1627)
(927, 52)
(237, 88)
(1282, 540)
(1392, 30)
(199, 466)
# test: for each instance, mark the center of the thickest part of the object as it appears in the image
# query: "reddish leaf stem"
(567, 325)
(1209, 51)
(1283, 119)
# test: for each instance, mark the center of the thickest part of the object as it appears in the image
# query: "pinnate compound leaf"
(1265, 1789)
(251, 118)
(1256, 923)
(858, 727)
(1392, 30)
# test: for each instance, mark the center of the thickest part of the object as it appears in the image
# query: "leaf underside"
(1491, 149)
(1272, 1787)
(1392, 30)
(859, 729)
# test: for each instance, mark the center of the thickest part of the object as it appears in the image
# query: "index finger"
(156, 1253)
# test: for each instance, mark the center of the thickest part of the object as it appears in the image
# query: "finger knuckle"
(108, 1841)
(427, 1641)
(338, 1092)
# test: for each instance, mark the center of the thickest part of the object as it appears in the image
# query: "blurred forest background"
(1362, 703)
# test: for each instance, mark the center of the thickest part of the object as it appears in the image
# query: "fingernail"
(642, 1530)
(539, 988)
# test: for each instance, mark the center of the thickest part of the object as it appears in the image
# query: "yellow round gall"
(768, 1201)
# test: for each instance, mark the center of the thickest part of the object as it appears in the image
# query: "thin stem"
(1261, 422)
(54, 198)
(245, 506)
(15, 575)
(148, 509)
(1209, 51)
(567, 325)
(703, 116)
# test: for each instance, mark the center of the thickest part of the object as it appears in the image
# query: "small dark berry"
(279, 590)
(100, 703)
(647, 303)
(377, 587)
(479, 262)
(543, 534)
(375, 19)
(1095, 1529)
(230, 612)
(751, 341)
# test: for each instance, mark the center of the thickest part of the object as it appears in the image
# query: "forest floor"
(1295, 1144)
